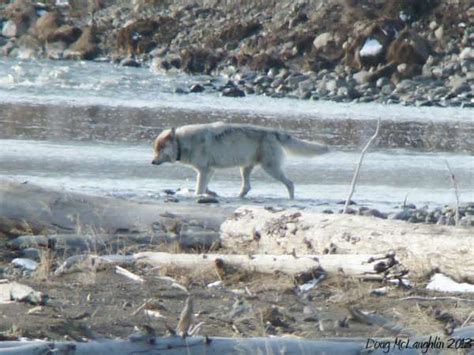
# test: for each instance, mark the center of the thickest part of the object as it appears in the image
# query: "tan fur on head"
(163, 147)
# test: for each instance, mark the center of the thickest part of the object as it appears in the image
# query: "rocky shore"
(409, 52)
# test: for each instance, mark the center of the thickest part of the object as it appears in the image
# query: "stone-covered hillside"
(409, 51)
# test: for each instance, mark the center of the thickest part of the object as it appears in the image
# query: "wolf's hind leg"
(277, 173)
(245, 173)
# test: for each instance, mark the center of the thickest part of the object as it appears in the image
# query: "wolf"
(207, 147)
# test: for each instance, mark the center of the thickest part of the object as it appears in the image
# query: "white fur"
(219, 145)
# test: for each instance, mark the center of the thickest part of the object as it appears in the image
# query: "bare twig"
(356, 173)
(142, 306)
(456, 191)
(468, 319)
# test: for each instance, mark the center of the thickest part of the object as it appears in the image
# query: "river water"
(88, 127)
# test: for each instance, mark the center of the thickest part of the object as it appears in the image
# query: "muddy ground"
(96, 302)
(104, 304)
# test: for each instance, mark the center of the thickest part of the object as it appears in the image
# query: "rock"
(45, 25)
(439, 33)
(24, 263)
(207, 200)
(198, 60)
(467, 54)
(332, 85)
(237, 31)
(85, 47)
(31, 253)
(24, 293)
(265, 62)
(129, 62)
(66, 33)
(458, 84)
(322, 40)
(28, 241)
(402, 215)
(381, 82)
(141, 36)
(23, 14)
(371, 212)
(233, 92)
(407, 71)
(196, 88)
(408, 48)
(328, 47)
(295, 79)
(371, 43)
(386, 89)
(362, 77)
(9, 29)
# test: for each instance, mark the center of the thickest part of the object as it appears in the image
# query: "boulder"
(322, 40)
(233, 92)
(45, 25)
(329, 46)
(408, 48)
(143, 35)
(137, 37)
(196, 88)
(23, 14)
(198, 60)
(85, 47)
(458, 84)
(239, 30)
(370, 44)
(265, 62)
(66, 33)
(467, 54)
(9, 29)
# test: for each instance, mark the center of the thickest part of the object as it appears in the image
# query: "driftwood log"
(420, 248)
(149, 344)
(363, 266)
(356, 265)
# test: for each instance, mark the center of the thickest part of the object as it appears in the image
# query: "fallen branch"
(356, 173)
(130, 275)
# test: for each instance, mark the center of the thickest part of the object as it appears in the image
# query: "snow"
(371, 48)
(442, 283)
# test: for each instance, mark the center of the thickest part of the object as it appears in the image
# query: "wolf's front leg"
(203, 177)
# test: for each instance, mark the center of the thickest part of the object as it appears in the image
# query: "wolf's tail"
(300, 147)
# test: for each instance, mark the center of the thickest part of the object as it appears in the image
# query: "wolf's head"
(165, 147)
